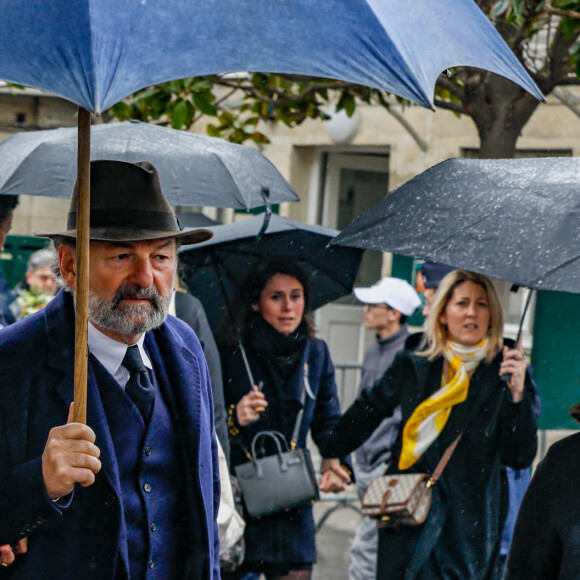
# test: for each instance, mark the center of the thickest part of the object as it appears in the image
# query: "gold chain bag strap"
(403, 499)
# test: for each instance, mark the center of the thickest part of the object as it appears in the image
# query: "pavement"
(333, 539)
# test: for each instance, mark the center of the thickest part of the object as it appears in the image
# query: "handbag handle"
(444, 460)
(277, 437)
(306, 391)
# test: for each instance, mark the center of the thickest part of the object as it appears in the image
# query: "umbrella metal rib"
(216, 264)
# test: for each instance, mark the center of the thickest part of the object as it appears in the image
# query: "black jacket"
(189, 309)
(546, 541)
(287, 537)
(461, 536)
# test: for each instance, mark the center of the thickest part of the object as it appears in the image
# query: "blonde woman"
(451, 384)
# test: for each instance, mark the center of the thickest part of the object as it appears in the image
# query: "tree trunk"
(500, 109)
(499, 142)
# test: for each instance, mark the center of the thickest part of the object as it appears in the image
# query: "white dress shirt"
(110, 353)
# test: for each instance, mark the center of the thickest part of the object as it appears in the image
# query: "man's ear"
(256, 306)
(68, 267)
(394, 315)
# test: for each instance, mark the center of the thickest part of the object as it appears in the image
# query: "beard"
(115, 315)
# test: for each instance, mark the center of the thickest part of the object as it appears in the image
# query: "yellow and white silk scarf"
(429, 418)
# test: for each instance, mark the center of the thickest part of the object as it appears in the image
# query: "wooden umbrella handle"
(82, 264)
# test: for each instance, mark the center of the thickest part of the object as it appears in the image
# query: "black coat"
(461, 536)
(546, 541)
(286, 537)
(189, 309)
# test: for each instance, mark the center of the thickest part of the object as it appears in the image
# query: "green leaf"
(213, 131)
(147, 94)
(203, 102)
(227, 118)
(568, 5)
(122, 111)
(259, 138)
(346, 102)
(575, 53)
(238, 136)
(179, 115)
(174, 87)
(569, 26)
(202, 85)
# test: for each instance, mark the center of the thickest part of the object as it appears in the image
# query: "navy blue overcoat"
(286, 537)
(36, 389)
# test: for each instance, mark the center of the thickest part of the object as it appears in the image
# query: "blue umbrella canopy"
(193, 169)
(215, 270)
(95, 53)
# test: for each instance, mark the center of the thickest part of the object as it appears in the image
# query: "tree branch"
(217, 105)
(567, 82)
(560, 12)
(448, 85)
(568, 100)
(559, 56)
(281, 97)
(450, 106)
(407, 126)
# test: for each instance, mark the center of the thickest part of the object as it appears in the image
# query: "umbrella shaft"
(82, 265)
(528, 300)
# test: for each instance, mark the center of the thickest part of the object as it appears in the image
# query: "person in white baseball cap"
(396, 293)
(388, 304)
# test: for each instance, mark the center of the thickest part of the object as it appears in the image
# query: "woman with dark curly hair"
(287, 362)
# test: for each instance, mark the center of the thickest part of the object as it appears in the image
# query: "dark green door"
(556, 357)
(16, 252)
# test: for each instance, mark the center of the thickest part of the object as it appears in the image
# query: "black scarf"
(282, 352)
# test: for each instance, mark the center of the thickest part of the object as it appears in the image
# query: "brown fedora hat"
(127, 205)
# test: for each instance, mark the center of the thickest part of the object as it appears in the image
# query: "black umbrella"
(194, 170)
(512, 219)
(195, 220)
(215, 270)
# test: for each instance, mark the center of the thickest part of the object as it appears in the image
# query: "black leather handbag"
(278, 482)
(284, 480)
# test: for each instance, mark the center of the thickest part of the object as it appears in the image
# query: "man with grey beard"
(133, 493)
(118, 314)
